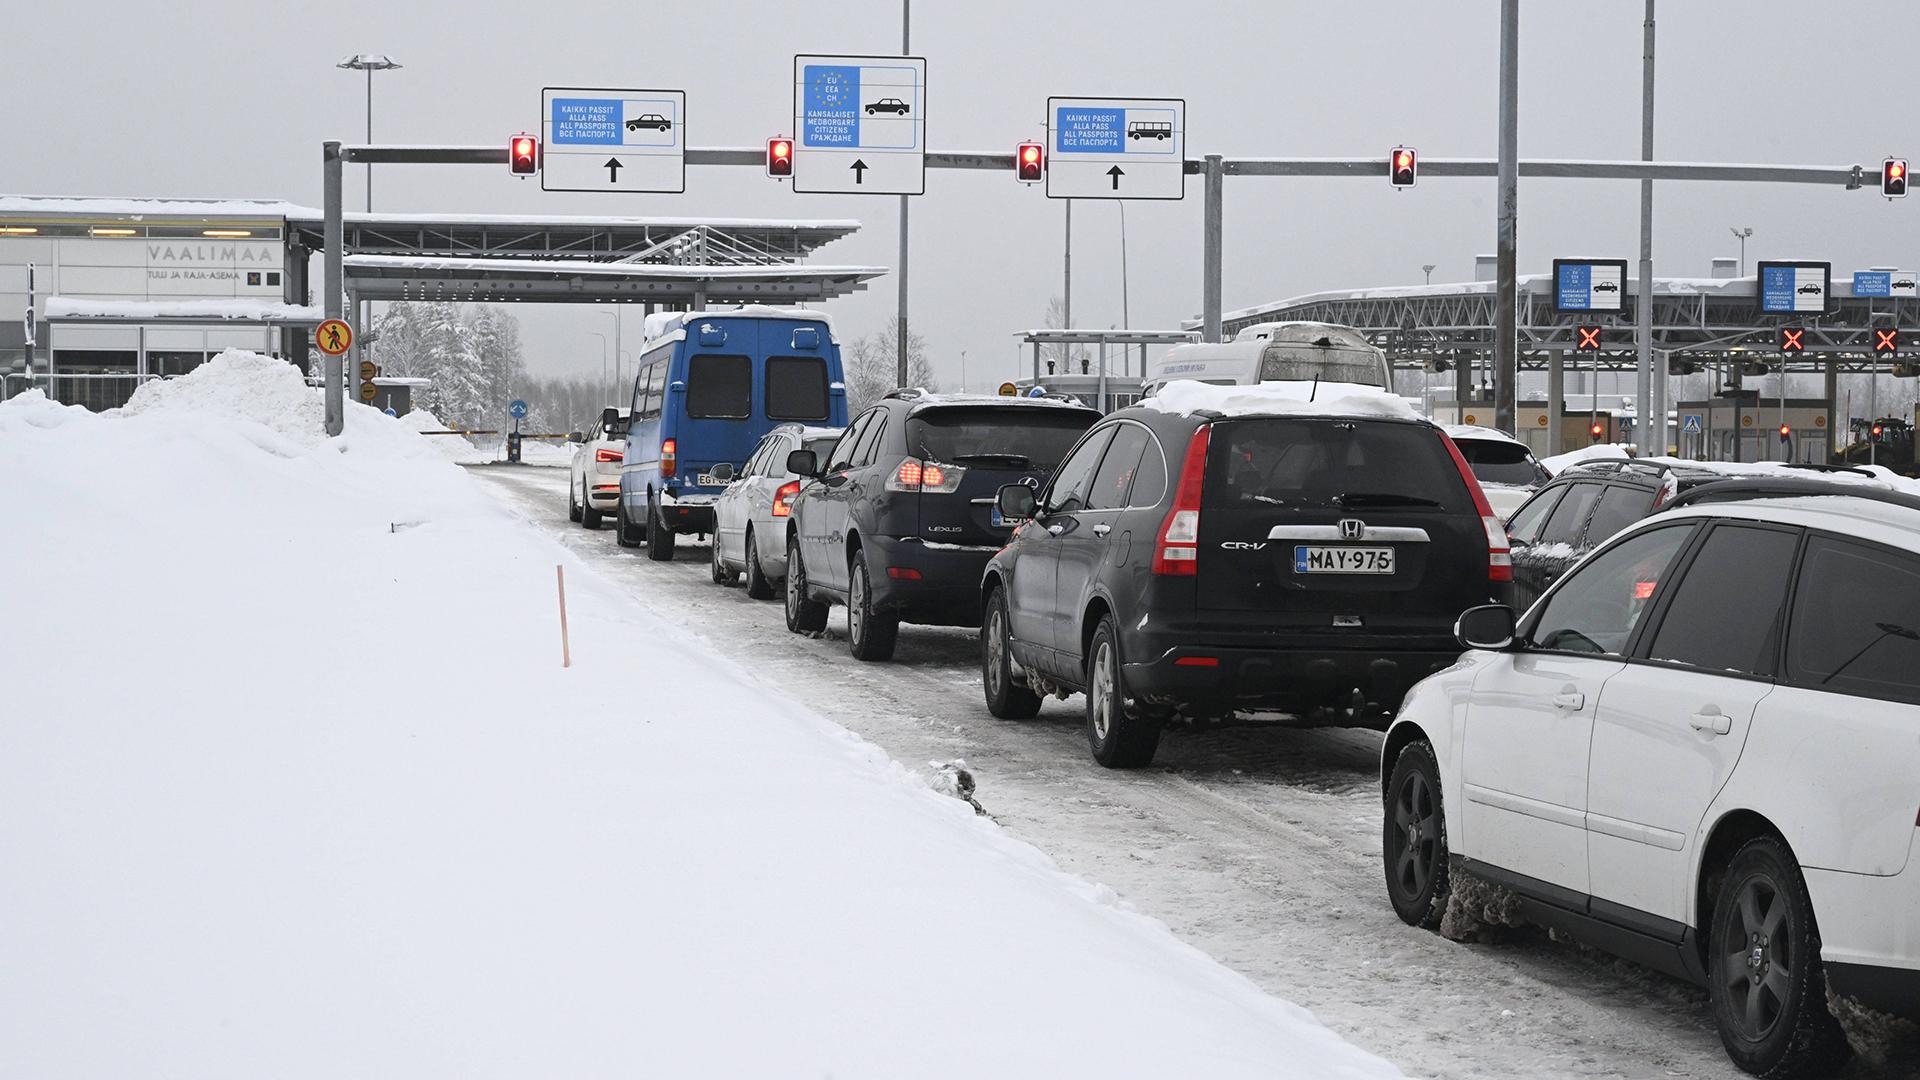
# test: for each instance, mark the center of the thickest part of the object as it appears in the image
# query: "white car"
(593, 485)
(750, 516)
(1700, 750)
(1504, 466)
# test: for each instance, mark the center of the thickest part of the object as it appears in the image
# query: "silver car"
(750, 516)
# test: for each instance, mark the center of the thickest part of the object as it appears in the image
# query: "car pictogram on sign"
(889, 105)
(1812, 288)
(1607, 286)
(650, 120)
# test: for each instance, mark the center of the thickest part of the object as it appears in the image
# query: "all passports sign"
(1116, 148)
(613, 140)
(860, 125)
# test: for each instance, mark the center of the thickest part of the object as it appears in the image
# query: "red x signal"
(1589, 340)
(1886, 341)
(1792, 339)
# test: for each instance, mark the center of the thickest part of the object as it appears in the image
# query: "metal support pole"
(906, 38)
(1066, 289)
(32, 322)
(1832, 391)
(1103, 376)
(1462, 386)
(1126, 320)
(1645, 400)
(1506, 344)
(1556, 401)
(1036, 363)
(369, 138)
(332, 298)
(1215, 169)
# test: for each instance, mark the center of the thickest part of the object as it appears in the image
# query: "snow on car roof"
(1475, 431)
(1186, 397)
(662, 323)
(934, 401)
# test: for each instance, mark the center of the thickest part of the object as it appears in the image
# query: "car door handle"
(1570, 700)
(1056, 529)
(1102, 529)
(1713, 723)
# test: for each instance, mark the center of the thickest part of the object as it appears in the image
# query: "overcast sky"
(226, 98)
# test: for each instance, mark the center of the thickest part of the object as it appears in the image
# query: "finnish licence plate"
(1320, 559)
(994, 518)
(707, 479)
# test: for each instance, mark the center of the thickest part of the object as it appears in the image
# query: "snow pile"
(294, 785)
(1601, 452)
(456, 448)
(1280, 399)
(252, 310)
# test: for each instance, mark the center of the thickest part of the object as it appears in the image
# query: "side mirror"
(609, 418)
(1489, 626)
(803, 463)
(577, 437)
(1015, 501)
(722, 472)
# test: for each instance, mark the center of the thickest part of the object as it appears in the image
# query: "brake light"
(1669, 487)
(604, 454)
(903, 573)
(1197, 661)
(1499, 554)
(669, 457)
(1179, 546)
(925, 476)
(783, 498)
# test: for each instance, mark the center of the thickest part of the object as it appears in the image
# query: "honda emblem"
(1352, 529)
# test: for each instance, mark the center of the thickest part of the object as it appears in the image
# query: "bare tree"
(872, 366)
(1063, 359)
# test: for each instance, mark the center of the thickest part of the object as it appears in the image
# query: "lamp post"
(1428, 270)
(1126, 321)
(369, 63)
(605, 388)
(1741, 235)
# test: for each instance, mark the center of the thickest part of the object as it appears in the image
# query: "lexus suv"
(1289, 547)
(899, 520)
(1698, 751)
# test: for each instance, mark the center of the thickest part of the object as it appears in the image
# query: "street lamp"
(1428, 270)
(1741, 235)
(604, 388)
(369, 63)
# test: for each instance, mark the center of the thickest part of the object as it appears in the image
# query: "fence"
(95, 391)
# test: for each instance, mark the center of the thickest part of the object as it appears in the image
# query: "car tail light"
(1197, 661)
(1179, 546)
(1669, 487)
(669, 458)
(604, 454)
(1499, 553)
(783, 498)
(925, 476)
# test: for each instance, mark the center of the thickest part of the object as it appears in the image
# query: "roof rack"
(1743, 488)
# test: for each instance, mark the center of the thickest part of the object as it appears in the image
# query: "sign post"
(613, 140)
(1116, 148)
(516, 409)
(860, 125)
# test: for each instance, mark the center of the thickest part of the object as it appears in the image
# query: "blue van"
(707, 387)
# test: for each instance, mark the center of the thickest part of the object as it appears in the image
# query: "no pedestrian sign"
(333, 337)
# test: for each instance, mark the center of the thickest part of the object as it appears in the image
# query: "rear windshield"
(796, 388)
(719, 387)
(1010, 436)
(1501, 462)
(1304, 363)
(1353, 465)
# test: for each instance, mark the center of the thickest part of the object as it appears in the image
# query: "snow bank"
(1281, 398)
(1602, 452)
(251, 310)
(294, 785)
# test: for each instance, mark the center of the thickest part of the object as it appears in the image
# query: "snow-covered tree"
(1064, 359)
(872, 365)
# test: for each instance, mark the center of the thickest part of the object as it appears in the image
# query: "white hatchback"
(1699, 750)
(1506, 469)
(750, 516)
(593, 483)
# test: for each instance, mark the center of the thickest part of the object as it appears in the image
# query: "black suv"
(901, 518)
(1186, 565)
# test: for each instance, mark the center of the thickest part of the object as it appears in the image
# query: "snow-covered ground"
(293, 783)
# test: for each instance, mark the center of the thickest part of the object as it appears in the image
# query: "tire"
(589, 517)
(1004, 700)
(1120, 737)
(1763, 965)
(871, 632)
(804, 615)
(659, 537)
(626, 533)
(1413, 842)
(758, 587)
(573, 502)
(722, 575)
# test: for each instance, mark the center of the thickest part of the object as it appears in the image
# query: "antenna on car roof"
(1315, 392)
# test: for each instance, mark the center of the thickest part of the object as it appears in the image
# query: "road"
(1258, 845)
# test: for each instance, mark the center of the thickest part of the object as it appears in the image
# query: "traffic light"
(1403, 166)
(1598, 429)
(1877, 429)
(1587, 339)
(1029, 163)
(1793, 339)
(1893, 178)
(780, 158)
(1886, 342)
(523, 155)
(1786, 433)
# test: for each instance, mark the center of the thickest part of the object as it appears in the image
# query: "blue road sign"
(1872, 283)
(517, 409)
(1789, 287)
(1589, 284)
(1690, 423)
(391, 411)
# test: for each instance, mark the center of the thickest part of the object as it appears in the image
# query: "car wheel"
(871, 631)
(1763, 962)
(758, 586)
(573, 502)
(589, 517)
(659, 537)
(1004, 700)
(1413, 843)
(1120, 737)
(804, 615)
(626, 533)
(721, 574)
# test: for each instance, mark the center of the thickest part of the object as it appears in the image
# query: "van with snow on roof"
(707, 386)
(1278, 352)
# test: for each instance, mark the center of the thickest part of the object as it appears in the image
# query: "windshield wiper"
(1380, 498)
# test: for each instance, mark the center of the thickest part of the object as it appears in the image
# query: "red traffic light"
(523, 155)
(1588, 339)
(1029, 163)
(1877, 429)
(1403, 166)
(1597, 430)
(1887, 342)
(1785, 432)
(1793, 339)
(1893, 178)
(780, 157)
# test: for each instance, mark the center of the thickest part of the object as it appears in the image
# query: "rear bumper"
(947, 590)
(688, 513)
(1203, 679)
(603, 498)
(1870, 936)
